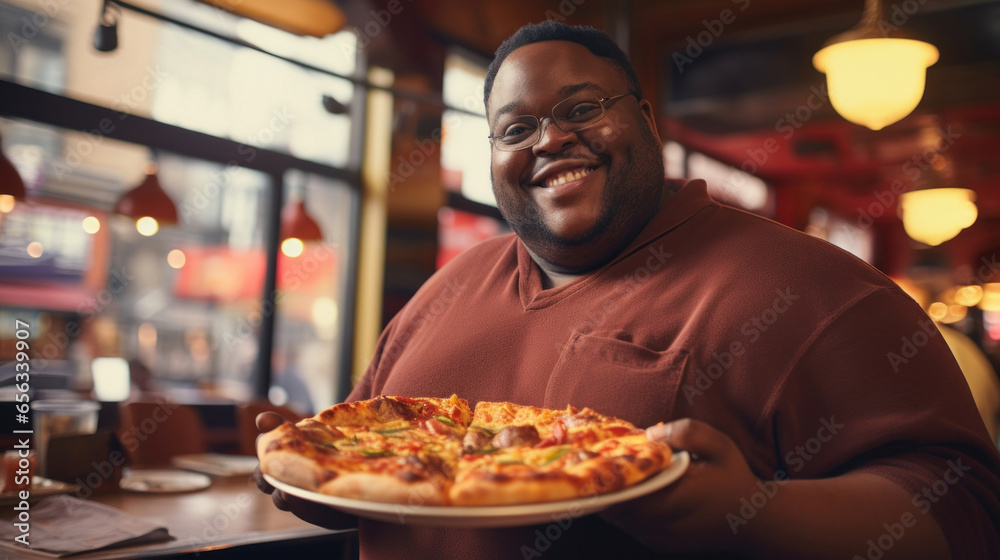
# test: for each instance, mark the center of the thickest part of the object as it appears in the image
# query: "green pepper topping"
(554, 456)
(446, 420)
(376, 453)
(392, 430)
(482, 429)
(485, 451)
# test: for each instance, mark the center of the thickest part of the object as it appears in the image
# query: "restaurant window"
(255, 98)
(674, 160)
(471, 216)
(32, 52)
(312, 290)
(845, 234)
(465, 148)
(186, 302)
(732, 186)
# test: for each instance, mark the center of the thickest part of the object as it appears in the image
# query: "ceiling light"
(91, 225)
(315, 18)
(176, 259)
(35, 249)
(991, 297)
(332, 106)
(297, 226)
(106, 34)
(292, 247)
(148, 200)
(937, 310)
(933, 216)
(874, 80)
(969, 295)
(147, 226)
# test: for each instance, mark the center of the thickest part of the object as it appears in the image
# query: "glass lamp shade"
(933, 216)
(148, 200)
(875, 82)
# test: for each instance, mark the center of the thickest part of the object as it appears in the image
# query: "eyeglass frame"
(604, 111)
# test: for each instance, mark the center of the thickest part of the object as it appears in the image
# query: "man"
(764, 350)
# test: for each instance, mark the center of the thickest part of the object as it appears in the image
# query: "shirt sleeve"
(877, 390)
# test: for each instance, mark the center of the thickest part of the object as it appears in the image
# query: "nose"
(552, 139)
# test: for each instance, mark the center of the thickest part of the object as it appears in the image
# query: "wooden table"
(230, 514)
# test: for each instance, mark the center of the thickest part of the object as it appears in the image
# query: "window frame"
(22, 102)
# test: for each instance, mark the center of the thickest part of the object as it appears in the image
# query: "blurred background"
(224, 202)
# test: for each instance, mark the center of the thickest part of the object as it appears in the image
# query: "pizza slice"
(386, 449)
(519, 454)
(436, 415)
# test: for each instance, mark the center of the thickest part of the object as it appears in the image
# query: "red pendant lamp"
(297, 226)
(11, 183)
(148, 200)
(296, 222)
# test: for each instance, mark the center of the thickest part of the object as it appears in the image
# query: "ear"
(646, 108)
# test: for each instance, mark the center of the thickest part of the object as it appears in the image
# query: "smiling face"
(575, 199)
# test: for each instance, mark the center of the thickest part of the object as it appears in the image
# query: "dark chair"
(153, 432)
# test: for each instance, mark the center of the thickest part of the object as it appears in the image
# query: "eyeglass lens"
(573, 113)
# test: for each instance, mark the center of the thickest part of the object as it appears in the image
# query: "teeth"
(567, 176)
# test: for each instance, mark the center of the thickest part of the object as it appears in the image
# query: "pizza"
(440, 452)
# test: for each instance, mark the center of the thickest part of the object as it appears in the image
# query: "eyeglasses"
(575, 113)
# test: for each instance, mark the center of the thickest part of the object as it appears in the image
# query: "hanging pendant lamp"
(872, 79)
(938, 208)
(315, 18)
(148, 204)
(11, 184)
(297, 227)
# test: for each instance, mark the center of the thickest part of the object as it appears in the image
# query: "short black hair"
(596, 41)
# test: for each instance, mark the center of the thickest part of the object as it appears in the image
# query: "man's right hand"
(312, 512)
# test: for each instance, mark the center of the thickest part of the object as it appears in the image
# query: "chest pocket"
(617, 378)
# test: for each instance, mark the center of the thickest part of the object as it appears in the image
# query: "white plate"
(490, 516)
(163, 481)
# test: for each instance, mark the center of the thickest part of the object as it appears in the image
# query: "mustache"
(587, 156)
(589, 159)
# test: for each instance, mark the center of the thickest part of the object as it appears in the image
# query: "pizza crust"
(292, 468)
(285, 465)
(477, 488)
(377, 487)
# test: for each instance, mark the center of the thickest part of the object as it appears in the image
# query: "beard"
(629, 200)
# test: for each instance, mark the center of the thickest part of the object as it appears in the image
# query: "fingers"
(699, 438)
(267, 421)
(258, 479)
(312, 512)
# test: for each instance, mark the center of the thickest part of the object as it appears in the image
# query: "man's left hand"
(691, 513)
